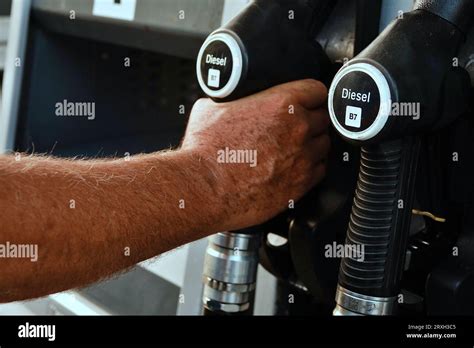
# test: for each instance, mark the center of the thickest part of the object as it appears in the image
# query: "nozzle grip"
(380, 218)
(267, 44)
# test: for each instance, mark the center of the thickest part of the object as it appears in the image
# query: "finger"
(318, 121)
(311, 94)
(319, 173)
(319, 148)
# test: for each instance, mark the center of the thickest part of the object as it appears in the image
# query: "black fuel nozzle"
(268, 43)
(404, 84)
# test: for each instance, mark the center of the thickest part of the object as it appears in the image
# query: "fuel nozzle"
(268, 43)
(403, 85)
(230, 272)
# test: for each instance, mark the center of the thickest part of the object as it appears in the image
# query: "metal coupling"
(230, 270)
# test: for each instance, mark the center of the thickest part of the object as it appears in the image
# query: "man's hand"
(266, 150)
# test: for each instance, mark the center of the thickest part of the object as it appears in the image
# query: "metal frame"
(191, 290)
(232, 8)
(12, 77)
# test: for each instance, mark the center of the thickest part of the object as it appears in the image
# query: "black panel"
(137, 107)
(5, 7)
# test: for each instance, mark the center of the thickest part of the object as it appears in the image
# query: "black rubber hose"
(380, 218)
(458, 12)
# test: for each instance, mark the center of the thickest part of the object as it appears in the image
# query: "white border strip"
(12, 77)
(77, 304)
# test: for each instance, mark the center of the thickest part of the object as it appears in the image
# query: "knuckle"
(285, 99)
(299, 128)
(316, 84)
(303, 167)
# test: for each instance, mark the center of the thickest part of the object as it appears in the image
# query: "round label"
(216, 65)
(356, 101)
(359, 101)
(220, 65)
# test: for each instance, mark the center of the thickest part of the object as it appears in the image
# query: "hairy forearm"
(92, 218)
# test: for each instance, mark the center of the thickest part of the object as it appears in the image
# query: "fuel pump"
(268, 43)
(404, 85)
